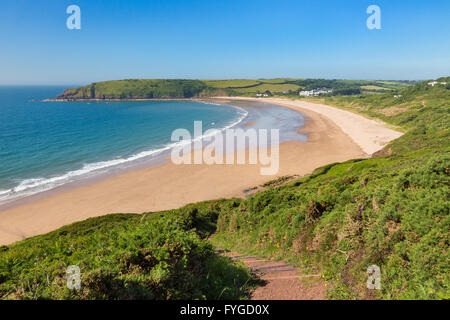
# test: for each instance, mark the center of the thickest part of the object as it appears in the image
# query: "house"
(433, 83)
(306, 93)
(315, 92)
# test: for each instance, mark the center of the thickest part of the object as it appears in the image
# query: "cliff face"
(87, 92)
(136, 89)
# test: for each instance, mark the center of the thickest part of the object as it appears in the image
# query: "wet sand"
(370, 135)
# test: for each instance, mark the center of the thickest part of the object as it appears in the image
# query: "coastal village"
(302, 93)
(322, 91)
(433, 83)
(315, 92)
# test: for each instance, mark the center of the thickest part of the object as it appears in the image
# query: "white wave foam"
(35, 185)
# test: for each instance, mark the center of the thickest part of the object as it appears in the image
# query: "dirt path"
(281, 280)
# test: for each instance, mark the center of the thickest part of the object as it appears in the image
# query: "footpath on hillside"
(281, 280)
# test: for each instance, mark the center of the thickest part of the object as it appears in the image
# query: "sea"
(44, 145)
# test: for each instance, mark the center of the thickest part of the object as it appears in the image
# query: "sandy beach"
(370, 135)
(334, 135)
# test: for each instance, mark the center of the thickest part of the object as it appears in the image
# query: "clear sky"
(213, 39)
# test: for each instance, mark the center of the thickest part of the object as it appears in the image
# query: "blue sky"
(212, 39)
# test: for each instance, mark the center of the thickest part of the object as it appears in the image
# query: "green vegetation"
(391, 210)
(164, 89)
(353, 87)
(151, 256)
(136, 89)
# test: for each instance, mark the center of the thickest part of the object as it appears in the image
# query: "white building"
(306, 93)
(433, 83)
(315, 92)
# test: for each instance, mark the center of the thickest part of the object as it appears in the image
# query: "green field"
(162, 89)
(226, 84)
(372, 87)
(391, 210)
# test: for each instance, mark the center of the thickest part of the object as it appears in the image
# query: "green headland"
(178, 88)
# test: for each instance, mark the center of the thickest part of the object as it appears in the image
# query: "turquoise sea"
(44, 145)
(47, 144)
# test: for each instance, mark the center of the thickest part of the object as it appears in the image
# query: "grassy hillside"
(391, 210)
(136, 89)
(158, 88)
(152, 256)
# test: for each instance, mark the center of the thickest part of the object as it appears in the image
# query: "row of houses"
(315, 92)
(433, 83)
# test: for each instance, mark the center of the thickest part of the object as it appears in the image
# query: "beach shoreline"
(370, 135)
(167, 186)
(261, 114)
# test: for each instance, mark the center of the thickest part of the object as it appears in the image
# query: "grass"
(151, 256)
(391, 210)
(374, 88)
(274, 88)
(348, 216)
(178, 88)
(137, 89)
(225, 84)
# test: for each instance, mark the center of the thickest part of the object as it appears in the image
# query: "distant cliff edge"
(135, 89)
